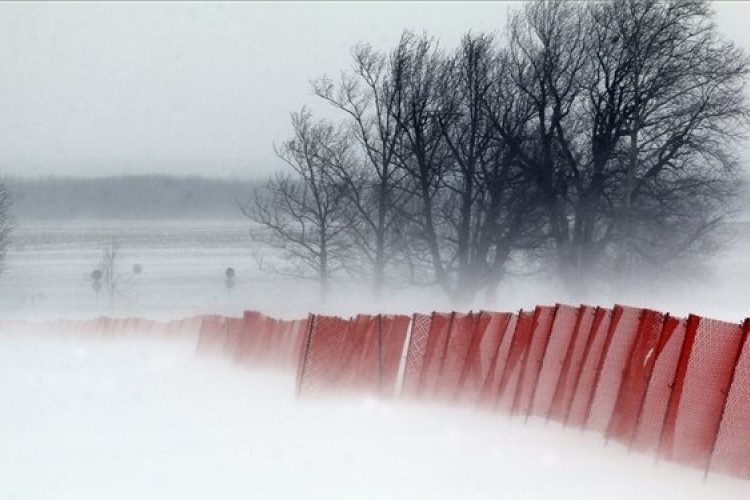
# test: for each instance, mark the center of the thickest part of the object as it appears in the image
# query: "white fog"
(202, 160)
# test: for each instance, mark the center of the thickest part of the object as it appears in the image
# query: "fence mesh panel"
(704, 375)
(620, 339)
(268, 338)
(459, 341)
(235, 332)
(634, 383)
(532, 363)
(488, 396)
(437, 343)
(592, 357)
(360, 356)
(301, 334)
(248, 344)
(322, 360)
(511, 373)
(420, 332)
(651, 419)
(572, 365)
(212, 334)
(280, 344)
(483, 352)
(563, 327)
(732, 451)
(393, 330)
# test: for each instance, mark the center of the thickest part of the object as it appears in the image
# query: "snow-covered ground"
(134, 418)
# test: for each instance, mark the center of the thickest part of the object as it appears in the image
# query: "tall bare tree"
(422, 156)
(490, 212)
(302, 213)
(369, 97)
(547, 57)
(683, 109)
(636, 105)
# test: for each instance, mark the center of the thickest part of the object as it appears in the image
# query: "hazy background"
(100, 89)
(169, 111)
(146, 123)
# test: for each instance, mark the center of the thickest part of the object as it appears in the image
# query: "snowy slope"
(87, 418)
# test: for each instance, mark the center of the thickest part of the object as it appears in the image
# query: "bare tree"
(466, 130)
(492, 205)
(682, 111)
(636, 105)
(547, 58)
(303, 213)
(422, 156)
(369, 96)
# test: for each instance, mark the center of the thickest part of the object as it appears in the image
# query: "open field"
(132, 418)
(49, 266)
(137, 418)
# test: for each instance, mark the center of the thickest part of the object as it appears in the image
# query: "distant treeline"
(127, 197)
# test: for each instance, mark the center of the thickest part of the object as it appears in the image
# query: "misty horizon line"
(129, 197)
(250, 176)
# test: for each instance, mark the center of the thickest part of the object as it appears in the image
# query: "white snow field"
(135, 418)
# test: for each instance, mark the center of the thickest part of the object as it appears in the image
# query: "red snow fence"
(254, 340)
(678, 388)
(655, 383)
(360, 355)
(705, 373)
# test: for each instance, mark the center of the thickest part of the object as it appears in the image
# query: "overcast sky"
(191, 88)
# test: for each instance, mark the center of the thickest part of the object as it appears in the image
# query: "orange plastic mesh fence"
(459, 341)
(634, 383)
(489, 394)
(297, 341)
(420, 332)
(592, 357)
(358, 357)
(361, 355)
(437, 342)
(235, 332)
(393, 330)
(572, 365)
(707, 362)
(620, 338)
(247, 348)
(262, 338)
(553, 362)
(367, 371)
(653, 382)
(651, 419)
(511, 373)
(274, 342)
(321, 362)
(483, 352)
(212, 335)
(732, 450)
(278, 343)
(532, 363)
